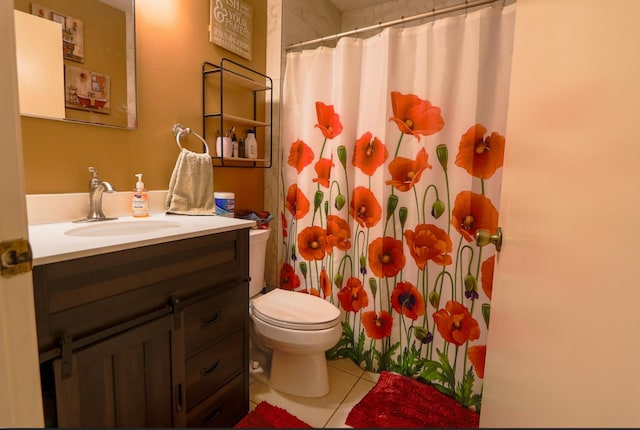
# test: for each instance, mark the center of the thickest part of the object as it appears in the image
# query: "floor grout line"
(342, 401)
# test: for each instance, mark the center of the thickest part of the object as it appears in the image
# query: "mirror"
(98, 59)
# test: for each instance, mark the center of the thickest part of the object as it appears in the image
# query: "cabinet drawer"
(210, 368)
(226, 407)
(213, 318)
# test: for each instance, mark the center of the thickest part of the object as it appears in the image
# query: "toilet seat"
(294, 310)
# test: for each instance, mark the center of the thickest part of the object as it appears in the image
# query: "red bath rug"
(266, 415)
(400, 402)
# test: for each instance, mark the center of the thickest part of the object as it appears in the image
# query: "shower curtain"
(391, 161)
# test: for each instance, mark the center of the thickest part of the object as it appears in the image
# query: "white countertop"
(50, 242)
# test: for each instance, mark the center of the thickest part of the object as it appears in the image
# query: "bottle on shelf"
(251, 145)
(241, 149)
(234, 146)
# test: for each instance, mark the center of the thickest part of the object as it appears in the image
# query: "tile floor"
(348, 383)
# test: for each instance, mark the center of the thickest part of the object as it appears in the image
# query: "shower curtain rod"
(465, 5)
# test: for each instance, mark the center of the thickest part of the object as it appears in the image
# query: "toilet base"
(303, 375)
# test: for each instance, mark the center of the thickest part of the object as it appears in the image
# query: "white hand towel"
(191, 185)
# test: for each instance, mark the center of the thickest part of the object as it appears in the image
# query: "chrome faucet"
(96, 189)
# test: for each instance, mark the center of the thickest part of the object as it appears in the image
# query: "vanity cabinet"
(152, 336)
(233, 81)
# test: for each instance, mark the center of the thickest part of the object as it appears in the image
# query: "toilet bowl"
(290, 331)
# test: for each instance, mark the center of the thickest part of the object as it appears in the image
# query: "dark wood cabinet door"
(133, 379)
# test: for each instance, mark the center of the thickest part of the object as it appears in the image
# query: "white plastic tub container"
(225, 204)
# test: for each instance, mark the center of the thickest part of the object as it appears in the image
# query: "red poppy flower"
(364, 207)
(377, 326)
(300, 155)
(323, 169)
(288, 278)
(486, 273)
(407, 300)
(338, 234)
(369, 154)
(353, 296)
(328, 121)
(477, 355)
(414, 115)
(296, 202)
(312, 242)
(472, 212)
(429, 242)
(455, 324)
(406, 172)
(386, 258)
(325, 283)
(480, 156)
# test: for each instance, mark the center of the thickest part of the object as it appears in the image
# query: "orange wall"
(172, 41)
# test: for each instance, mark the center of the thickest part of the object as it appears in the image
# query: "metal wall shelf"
(232, 74)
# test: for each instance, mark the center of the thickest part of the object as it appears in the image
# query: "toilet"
(290, 331)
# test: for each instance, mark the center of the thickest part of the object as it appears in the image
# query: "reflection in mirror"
(98, 58)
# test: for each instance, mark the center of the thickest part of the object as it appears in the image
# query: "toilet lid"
(299, 311)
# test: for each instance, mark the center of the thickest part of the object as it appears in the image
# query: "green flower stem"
(461, 271)
(424, 200)
(293, 234)
(386, 225)
(424, 286)
(479, 263)
(317, 278)
(473, 303)
(400, 330)
(398, 146)
(337, 184)
(342, 266)
(482, 185)
(415, 196)
(455, 364)
(470, 249)
(306, 284)
(456, 268)
(446, 179)
(359, 247)
(324, 142)
(346, 185)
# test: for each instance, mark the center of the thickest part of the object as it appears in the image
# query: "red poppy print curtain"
(391, 161)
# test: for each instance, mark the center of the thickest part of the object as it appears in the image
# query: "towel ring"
(179, 130)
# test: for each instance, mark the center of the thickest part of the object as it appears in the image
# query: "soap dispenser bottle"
(140, 199)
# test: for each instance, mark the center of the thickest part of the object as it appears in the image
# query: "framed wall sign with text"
(230, 26)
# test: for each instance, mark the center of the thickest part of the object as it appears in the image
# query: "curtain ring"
(433, 16)
(466, 8)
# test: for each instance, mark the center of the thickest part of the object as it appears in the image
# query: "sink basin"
(124, 228)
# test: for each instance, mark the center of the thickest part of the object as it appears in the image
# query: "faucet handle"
(94, 172)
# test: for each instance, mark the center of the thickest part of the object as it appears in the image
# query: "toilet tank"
(257, 251)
